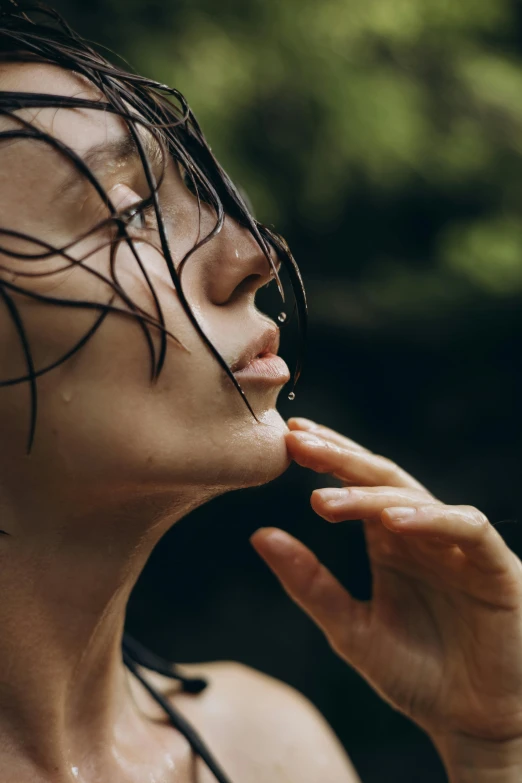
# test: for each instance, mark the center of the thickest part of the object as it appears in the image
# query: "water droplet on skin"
(67, 396)
(237, 253)
(291, 396)
(170, 762)
(74, 770)
(281, 318)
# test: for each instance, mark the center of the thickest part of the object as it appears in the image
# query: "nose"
(239, 266)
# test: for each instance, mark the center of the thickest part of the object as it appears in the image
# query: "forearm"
(481, 761)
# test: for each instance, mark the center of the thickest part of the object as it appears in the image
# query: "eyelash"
(146, 213)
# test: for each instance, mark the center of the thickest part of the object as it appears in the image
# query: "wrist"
(474, 760)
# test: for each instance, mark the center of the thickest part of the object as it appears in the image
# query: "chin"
(258, 453)
(266, 456)
(226, 456)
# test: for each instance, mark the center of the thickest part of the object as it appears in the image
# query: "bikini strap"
(144, 657)
(134, 655)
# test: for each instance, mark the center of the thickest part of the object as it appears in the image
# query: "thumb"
(344, 620)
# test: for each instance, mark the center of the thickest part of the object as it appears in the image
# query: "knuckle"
(479, 520)
(342, 641)
(337, 644)
(353, 494)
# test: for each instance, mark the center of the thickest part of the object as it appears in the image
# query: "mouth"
(260, 362)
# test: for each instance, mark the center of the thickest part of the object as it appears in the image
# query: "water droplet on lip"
(281, 318)
(291, 396)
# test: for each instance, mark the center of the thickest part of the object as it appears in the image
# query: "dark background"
(384, 140)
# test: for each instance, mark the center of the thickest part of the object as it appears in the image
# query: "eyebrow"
(109, 156)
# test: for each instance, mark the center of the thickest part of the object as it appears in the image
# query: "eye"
(137, 220)
(136, 213)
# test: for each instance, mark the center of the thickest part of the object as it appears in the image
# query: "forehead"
(78, 128)
(35, 177)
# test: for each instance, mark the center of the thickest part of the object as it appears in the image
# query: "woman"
(122, 241)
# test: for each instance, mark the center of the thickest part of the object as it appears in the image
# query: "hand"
(441, 639)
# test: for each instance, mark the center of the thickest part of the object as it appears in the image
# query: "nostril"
(249, 285)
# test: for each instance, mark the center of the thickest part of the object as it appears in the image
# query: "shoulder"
(262, 729)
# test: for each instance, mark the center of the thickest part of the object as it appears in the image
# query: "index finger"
(300, 424)
(353, 466)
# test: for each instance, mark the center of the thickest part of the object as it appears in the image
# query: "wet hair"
(34, 33)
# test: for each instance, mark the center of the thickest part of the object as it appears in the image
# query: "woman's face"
(99, 416)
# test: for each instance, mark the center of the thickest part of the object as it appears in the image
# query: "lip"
(269, 368)
(260, 361)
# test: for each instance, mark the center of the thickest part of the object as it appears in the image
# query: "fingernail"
(401, 513)
(332, 495)
(305, 423)
(308, 439)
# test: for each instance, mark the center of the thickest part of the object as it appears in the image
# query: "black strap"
(150, 660)
(135, 654)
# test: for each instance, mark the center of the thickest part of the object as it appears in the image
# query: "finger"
(342, 619)
(352, 466)
(465, 526)
(300, 424)
(340, 505)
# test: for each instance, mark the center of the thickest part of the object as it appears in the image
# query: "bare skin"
(116, 462)
(258, 728)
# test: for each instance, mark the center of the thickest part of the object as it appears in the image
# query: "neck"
(65, 582)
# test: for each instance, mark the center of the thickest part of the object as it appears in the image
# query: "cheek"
(257, 452)
(104, 421)
(100, 417)
(53, 328)
(107, 382)
(141, 271)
